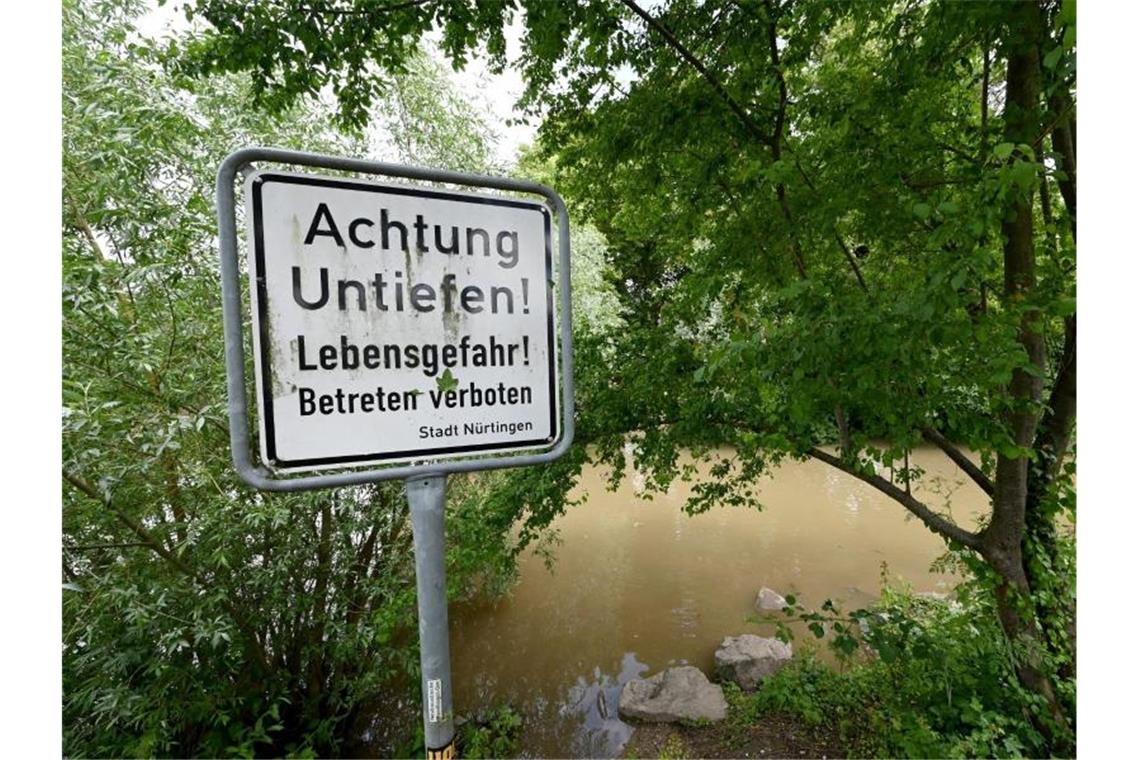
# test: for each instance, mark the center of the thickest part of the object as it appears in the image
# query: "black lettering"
(450, 249)
(301, 354)
(498, 353)
(429, 355)
(471, 233)
(305, 397)
(361, 294)
(509, 257)
(421, 228)
(391, 356)
(310, 305)
(411, 357)
(314, 227)
(349, 354)
(379, 286)
(371, 356)
(352, 233)
(447, 287)
(385, 225)
(470, 298)
(422, 296)
(497, 290)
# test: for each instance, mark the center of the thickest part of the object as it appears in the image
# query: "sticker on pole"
(395, 322)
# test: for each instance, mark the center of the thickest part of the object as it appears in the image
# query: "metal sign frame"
(261, 477)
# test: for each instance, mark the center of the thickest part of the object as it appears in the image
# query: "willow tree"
(844, 222)
(201, 618)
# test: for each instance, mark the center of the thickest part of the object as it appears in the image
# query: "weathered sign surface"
(395, 322)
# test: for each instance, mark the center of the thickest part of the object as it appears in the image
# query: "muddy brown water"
(638, 585)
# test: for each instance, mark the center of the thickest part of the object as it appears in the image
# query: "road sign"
(398, 322)
(420, 328)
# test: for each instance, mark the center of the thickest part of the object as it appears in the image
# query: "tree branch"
(89, 547)
(960, 459)
(932, 520)
(689, 58)
(851, 260)
(985, 97)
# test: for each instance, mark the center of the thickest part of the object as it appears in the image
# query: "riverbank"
(932, 678)
(639, 586)
(775, 735)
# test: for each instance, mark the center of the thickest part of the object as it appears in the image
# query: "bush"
(932, 678)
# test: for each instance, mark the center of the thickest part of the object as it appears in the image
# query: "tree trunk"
(1001, 541)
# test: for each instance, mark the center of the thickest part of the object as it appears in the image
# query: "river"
(637, 585)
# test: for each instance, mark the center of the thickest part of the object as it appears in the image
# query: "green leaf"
(447, 381)
(1004, 150)
(921, 210)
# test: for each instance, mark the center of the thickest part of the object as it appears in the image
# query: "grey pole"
(426, 497)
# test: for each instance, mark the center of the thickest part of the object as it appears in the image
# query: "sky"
(493, 94)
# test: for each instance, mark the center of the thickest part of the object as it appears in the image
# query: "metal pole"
(426, 497)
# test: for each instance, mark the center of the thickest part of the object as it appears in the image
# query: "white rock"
(749, 659)
(680, 693)
(769, 601)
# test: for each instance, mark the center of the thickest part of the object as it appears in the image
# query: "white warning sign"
(395, 322)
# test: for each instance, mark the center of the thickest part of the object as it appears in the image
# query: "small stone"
(768, 600)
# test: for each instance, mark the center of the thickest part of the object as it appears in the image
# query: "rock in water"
(749, 659)
(769, 601)
(681, 693)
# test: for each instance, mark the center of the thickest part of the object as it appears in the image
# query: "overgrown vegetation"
(819, 223)
(200, 617)
(827, 222)
(918, 676)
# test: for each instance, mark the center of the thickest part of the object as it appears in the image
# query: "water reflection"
(593, 707)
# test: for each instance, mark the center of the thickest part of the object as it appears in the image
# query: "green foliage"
(932, 677)
(804, 213)
(495, 737)
(200, 617)
(594, 301)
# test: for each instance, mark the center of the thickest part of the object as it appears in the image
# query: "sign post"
(399, 331)
(426, 497)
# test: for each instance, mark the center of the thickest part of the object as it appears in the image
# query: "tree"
(201, 618)
(852, 222)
